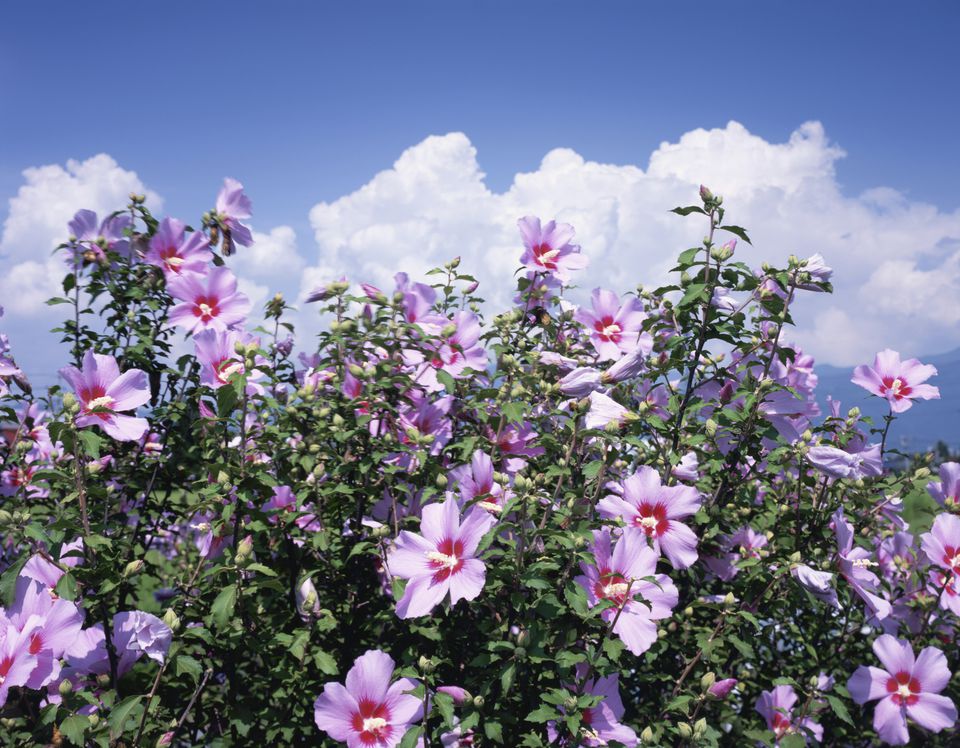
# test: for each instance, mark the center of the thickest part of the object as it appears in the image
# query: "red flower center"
(206, 307)
(545, 256)
(372, 722)
(446, 560)
(652, 519)
(903, 689)
(896, 387)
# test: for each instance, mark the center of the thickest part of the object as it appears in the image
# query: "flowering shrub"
(621, 523)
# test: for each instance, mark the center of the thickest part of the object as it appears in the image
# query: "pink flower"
(604, 411)
(906, 687)
(548, 249)
(208, 301)
(175, 254)
(949, 485)
(855, 563)
(618, 575)
(841, 463)
(219, 361)
(776, 707)
(441, 560)
(721, 689)
(233, 206)
(653, 509)
(942, 543)
(17, 661)
(898, 382)
(600, 724)
(369, 712)
(614, 328)
(92, 237)
(477, 484)
(103, 393)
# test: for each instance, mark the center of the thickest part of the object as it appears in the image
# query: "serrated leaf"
(688, 210)
(737, 231)
(840, 709)
(129, 708)
(222, 609)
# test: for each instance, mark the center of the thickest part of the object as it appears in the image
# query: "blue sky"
(307, 102)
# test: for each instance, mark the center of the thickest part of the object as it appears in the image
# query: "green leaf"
(72, 728)
(688, 210)
(840, 709)
(494, 731)
(507, 676)
(410, 739)
(736, 231)
(448, 382)
(265, 570)
(543, 713)
(444, 704)
(513, 412)
(222, 609)
(325, 662)
(91, 443)
(693, 293)
(129, 708)
(187, 664)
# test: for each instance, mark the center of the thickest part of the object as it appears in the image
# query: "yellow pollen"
(491, 506)
(443, 559)
(904, 690)
(205, 309)
(895, 387)
(612, 329)
(233, 368)
(549, 256)
(861, 563)
(100, 402)
(174, 261)
(650, 521)
(374, 724)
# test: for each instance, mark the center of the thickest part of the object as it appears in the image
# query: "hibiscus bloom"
(776, 707)
(653, 509)
(600, 724)
(841, 463)
(898, 382)
(906, 687)
(614, 328)
(174, 252)
(442, 560)
(103, 392)
(948, 487)
(548, 249)
(618, 576)
(233, 206)
(93, 237)
(369, 712)
(855, 563)
(210, 301)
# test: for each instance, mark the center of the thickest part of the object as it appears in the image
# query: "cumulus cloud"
(37, 222)
(888, 251)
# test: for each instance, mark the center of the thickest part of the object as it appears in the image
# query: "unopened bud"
(357, 371)
(441, 480)
(172, 620)
(700, 727)
(133, 567)
(426, 665)
(70, 402)
(729, 600)
(708, 680)
(65, 687)
(164, 740)
(684, 730)
(646, 736)
(478, 701)
(244, 551)
(710, 427)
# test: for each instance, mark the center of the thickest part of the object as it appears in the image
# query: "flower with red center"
(369, 711)
(620, 574)
(898, 382)
(103, 392)
(17, 662)
(547, 248)
(219, 361)
(175, 253)
(233, 206)
(906, 687)
(208, 301)
(942, 543)
(946, 491)
(614, 328)
(652, 509)
(441, 560)
(776, 707)
(600, 724)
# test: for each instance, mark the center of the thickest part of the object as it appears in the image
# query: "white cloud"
(434, 204)
(273, 255)
(37, 222)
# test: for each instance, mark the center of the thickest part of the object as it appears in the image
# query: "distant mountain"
(921, 427)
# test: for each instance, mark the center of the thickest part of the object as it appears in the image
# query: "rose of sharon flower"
(233, 205)
(369, 712)
(839, 463)
(898, 382)
(103, 393)
(776, 707)
(651, 508)
(548, 249)
(942, 543)
(210, 301)
(617, 575)
(174, 253)
(614, 328)
(441, 560)
(948, 486)
(906, 687)
(600, 724)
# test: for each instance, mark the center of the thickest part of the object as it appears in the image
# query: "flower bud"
(705, 194)
(70, 403)
(133, 567)
(684, 730)
(426, 665)
(357, 371)
(708, 680)
(921, 473)
(172, 620)
(729, 600)
(478, 702)
(700, 727)
(722, 688)
(646, 736)
(244, 551)
(441, 480)
(853, 412)
(164, 740)
(94, 719)
(65, 687)
(710, 427)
